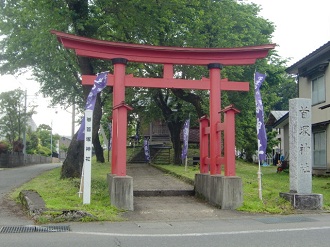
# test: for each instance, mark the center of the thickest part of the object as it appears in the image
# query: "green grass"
(62, 194)
(272, 184)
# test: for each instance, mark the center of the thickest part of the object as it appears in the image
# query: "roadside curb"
(32, 202)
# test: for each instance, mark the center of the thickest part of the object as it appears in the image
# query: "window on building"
(318, 90)
(320, 147)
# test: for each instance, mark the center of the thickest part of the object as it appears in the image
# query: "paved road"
(168, 221)
(10, 178)
(293, 231)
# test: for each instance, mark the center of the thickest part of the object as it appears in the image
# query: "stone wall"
(18, 159)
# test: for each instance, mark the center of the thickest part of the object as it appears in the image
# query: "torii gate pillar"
(215, 108)
(120, 185)
(119, 124)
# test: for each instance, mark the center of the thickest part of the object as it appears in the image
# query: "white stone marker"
(300, 141)
(88, 156)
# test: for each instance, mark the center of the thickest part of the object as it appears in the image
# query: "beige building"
(281, 128)
(313, 74)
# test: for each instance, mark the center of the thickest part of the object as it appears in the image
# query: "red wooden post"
(117, 127)
(122, 137)
(229, 120)
(204, 132)
(215, 107)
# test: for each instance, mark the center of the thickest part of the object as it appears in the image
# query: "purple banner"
(261, 131)
(110, 136)
(99, 84)
(146, 149)
(185, 139)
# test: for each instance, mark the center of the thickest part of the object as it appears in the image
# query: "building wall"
(318, 115)
(328, 147)
(318, 171)
(286, 141)
(304, 88)
(305, 91)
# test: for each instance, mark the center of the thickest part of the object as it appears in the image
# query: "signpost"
(87, 168)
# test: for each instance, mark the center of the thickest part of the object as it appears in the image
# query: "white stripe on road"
(202, 234)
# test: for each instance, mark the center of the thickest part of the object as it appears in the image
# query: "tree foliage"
(28, 44)
(13, 115)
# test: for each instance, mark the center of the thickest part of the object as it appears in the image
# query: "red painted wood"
(203, 144)
(215, 107)
(203, 84)
(159, 54)
(119, 116)
(230, 161)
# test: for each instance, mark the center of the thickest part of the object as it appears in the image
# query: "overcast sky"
(301, 27)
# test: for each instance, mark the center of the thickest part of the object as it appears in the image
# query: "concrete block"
(232, 192)
(121, 191)
(216, 186)
(304, 201)
(32, 201)
(202, 186)
(220, 191)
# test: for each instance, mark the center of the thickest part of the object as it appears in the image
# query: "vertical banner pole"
(261, 131)
(259, 182)
(87, 169)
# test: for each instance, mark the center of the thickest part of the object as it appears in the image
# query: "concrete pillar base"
(220, 191)
(304, 201)
(202, 185)
(121, 191)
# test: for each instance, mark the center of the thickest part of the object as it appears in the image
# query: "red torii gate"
(121, 53)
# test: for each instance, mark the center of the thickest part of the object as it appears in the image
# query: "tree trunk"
(97, 115)
(173, 122)
(175, 130)
(72, 165)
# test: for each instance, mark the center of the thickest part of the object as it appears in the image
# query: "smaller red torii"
(170, 82)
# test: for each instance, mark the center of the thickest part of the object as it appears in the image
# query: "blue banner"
(185, 139)
(99, 84)
(261, 130)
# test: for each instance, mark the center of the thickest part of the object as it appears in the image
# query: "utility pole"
(25, 124)
(51, 140)
(73, 119)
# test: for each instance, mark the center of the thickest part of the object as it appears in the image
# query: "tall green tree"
(201, 24)
(27, 43)
(46, 140)
(13, 115)
(32, 142)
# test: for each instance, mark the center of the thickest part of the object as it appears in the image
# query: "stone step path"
(150, 181)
